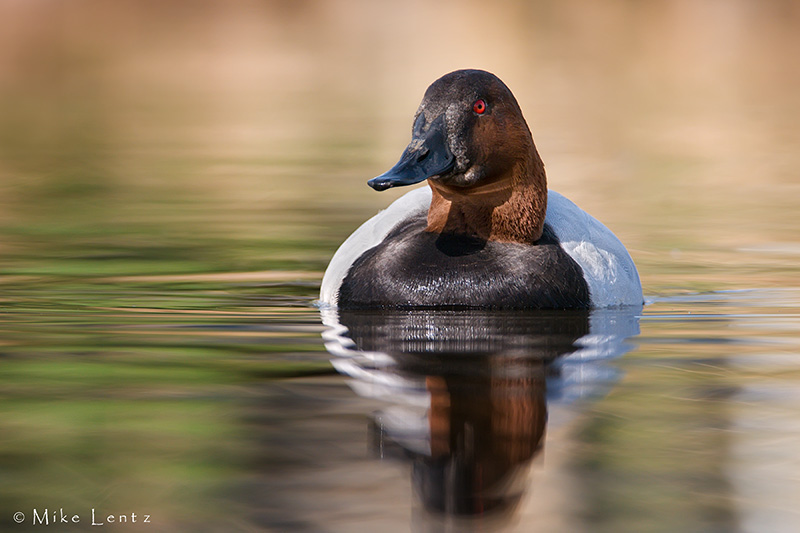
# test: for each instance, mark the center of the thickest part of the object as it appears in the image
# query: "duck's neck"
(510, 208)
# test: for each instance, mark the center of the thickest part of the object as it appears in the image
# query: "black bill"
(426, 156)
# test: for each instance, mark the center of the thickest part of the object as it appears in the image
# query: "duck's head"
(472, 144)
(468, 130)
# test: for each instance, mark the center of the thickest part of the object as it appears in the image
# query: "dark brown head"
(472, 143)
(468, 130)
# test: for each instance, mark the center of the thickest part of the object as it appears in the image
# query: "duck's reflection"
(468, 391)
(483, 433)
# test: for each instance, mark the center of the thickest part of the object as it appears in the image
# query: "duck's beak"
(426, 156)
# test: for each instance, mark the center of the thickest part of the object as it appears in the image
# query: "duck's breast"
(414, 268)
(602, 260)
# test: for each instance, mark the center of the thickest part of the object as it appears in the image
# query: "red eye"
(479, 107)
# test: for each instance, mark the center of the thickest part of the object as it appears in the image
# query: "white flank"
(368, 235)
(607, 266)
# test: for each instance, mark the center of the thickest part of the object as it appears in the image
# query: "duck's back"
(390, 261)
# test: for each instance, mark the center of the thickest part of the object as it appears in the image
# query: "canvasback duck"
(486, 233)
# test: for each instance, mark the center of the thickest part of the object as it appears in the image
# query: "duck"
(486, 232)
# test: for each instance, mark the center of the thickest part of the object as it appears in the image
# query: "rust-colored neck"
(508, 209)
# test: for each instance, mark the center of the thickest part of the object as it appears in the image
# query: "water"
(174, 179)
(226, 415)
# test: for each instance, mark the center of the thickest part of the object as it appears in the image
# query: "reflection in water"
(468, 391)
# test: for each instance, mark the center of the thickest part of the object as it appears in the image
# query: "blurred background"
(174, 177)
(184, 136)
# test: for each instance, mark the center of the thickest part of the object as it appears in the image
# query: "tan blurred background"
(675, 122)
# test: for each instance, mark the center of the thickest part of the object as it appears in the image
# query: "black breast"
(414, 268)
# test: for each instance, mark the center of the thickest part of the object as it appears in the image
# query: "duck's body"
(486, 233)
(390, 261)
